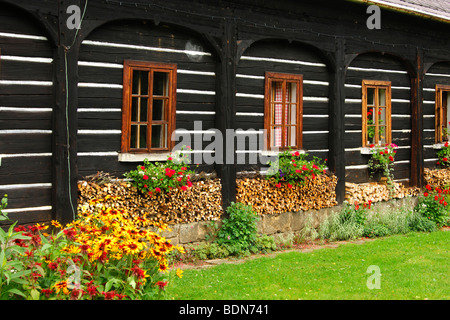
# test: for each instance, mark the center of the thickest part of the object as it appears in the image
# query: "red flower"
(391, 158)
(278, 185)
(157, 189)
(161, 284)
(169, 158)
(298, 171)
(145, 177)
(142, 167)
(428, 187)
(372, 145)
(425, 194)
(189, 184)
(297, 153)
(289, 185)
(183, 188)
(444, 159)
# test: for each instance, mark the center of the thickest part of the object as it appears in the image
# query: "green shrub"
(238, 232)
(377, 230)
(433, 205)
(419, 223)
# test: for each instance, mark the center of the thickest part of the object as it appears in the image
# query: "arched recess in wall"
(284, 57)
(101, 63)
(377, 69)
(27, 100)
(436, 97)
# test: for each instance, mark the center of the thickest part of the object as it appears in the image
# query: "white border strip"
(17, 109)
(190, 91)
(25, 155)
(130, 46)
(97, 154)
(43, 208)
(305, 63)
(195, 112)
(26, 83)
(86, 131)
(25, 186)
(99, 85)
(250, 114)
(27, 59)
(21, 36)
(26, 131)
(438, 75)
(99, 110)
(376, 70)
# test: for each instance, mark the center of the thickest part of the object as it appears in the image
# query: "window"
(442, 116)
(283, 110)
(376, 112)
(148, 113)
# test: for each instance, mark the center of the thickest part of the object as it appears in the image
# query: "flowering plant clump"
(382, 160)
(103, 255)
(293, 168)
(152, 178)
(434, 205)
(444, 155)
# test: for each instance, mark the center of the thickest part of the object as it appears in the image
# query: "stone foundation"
(280, 225)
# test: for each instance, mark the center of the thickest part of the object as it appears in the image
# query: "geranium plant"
(434, 205)
(151, 178)
(382, 160)
(444, 155)
(293, 168)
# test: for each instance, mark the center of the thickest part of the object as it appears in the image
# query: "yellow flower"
(71, 249)
(179, 273)
(132, 247)
(56, 224)
(62, 285)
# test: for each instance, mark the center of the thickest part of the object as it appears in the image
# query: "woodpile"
(375, 192)
(266, 198)
(201, 202)
(437, 178)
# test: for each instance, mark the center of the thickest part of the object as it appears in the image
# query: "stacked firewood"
(375, 192)
(266, 198)
(437, 178)
(201, 202)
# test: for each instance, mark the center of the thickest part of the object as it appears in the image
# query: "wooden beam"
(226, 109)
(64, 126)
(417, 158)
(337, 119)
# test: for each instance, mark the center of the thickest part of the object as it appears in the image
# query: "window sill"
(438, 146)
(140, 157)
(268, 153)
(368, 151)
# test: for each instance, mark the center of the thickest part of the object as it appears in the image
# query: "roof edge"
(406, 9)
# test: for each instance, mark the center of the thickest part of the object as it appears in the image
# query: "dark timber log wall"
(47, 114)
(26, 104)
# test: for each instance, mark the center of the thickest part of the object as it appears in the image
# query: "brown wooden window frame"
(376, 85)
(285, 78)
(441, 118)
(169, 107)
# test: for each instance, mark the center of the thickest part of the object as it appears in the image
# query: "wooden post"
(417, 162)
(336, 120)
(64, 126)
(226, 109)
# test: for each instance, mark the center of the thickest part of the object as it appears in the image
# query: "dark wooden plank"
(23, 170)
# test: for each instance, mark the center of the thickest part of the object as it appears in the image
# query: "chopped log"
(375, 192)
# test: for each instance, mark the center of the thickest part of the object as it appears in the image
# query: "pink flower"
(169, 158)
(157, 189)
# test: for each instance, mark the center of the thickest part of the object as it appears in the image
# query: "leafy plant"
(104, 254)
(152, 178)
(294, 168)
(433, 204)
(444, 155)
(239, 230)
(382, 160)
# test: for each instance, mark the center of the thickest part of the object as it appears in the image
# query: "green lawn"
(413, 266)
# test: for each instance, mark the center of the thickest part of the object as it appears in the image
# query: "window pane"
(291, 92)
(143, 137)
(370, 115)
(133, 136)
(143, 107)
(371, 134)
(277, 113)
(370, 96)
(446, 114)
(293, 114)
(382, 97)
(382, 116)
(382, 134)
(277, 91)
(275, 134)
(140, 82)
(292, 136)
(160, 83)
(135, 109)
(158, 109)
(159, 139)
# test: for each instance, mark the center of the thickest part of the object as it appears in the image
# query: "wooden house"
(99, 85)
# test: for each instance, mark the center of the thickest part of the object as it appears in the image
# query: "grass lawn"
(413, 266)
